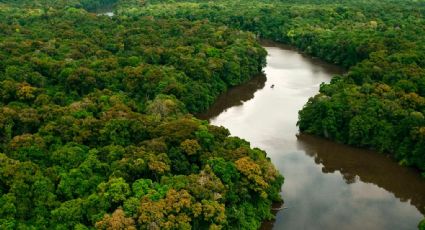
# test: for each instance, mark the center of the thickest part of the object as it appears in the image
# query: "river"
(327, 185)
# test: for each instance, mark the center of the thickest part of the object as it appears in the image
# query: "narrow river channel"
(327, 185)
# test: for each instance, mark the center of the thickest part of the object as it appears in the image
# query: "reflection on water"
(109, 14)
(327, 185)
(235, 97)
(105, 10)
(356, 164)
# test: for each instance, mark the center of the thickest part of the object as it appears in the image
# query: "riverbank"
(326, 184)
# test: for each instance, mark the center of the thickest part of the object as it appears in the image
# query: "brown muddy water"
(327, 185)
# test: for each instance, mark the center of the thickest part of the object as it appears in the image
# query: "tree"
(69, 214)
(190, 147)
(116, 190)
(116, 221)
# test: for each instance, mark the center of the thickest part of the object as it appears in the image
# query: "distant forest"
(95, 111)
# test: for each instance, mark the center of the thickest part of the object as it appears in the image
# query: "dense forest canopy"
(95, 124)
(380, 103)
(95, 129)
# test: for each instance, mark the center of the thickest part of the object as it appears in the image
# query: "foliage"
(116, 221)
(422, 225)
(379, 103)
(95, 130)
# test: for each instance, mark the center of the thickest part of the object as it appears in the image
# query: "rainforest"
(99, 125)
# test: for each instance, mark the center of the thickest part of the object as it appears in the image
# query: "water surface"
(327, 185)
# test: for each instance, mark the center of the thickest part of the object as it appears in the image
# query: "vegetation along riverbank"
(379, 103)
(95, 111)
(95, 129)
